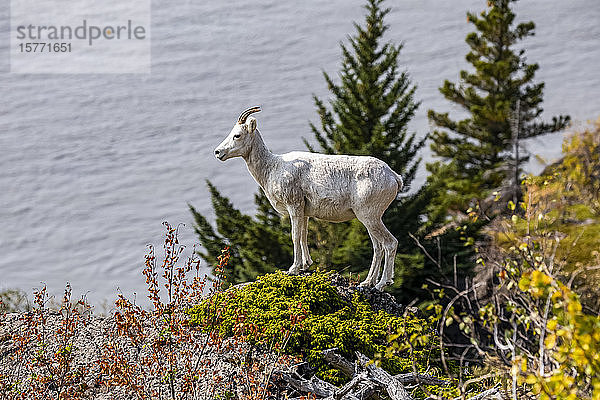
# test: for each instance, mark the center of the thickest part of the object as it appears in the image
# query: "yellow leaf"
(550, 341)
(531, 379)
(523, 246)
(574, 307)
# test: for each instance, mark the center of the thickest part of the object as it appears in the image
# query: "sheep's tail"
(400, 186)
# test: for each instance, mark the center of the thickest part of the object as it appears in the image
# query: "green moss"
(270, 304)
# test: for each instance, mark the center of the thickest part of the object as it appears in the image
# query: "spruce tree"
(478, 152)
(368, 114)
(482, 152)
(372, 105)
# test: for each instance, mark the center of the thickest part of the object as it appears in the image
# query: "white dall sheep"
(330, 187)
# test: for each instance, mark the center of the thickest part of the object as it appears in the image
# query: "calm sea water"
(92, 164)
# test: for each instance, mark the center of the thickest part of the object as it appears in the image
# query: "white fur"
(330, 187)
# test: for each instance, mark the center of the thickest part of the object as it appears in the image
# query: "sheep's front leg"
(306, 260)
(297, 221)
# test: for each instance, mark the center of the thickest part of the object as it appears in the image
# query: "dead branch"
(393, 387)
(367, 380)
(339, 362)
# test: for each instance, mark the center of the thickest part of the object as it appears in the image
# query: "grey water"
(90, 165)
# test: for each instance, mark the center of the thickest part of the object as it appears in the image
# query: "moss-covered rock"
(317, 314)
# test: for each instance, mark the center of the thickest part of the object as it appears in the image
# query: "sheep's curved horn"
(246, 113)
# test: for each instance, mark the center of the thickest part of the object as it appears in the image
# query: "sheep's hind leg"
(374, 232)
(390, 245)
(297, 222)
(306, 260)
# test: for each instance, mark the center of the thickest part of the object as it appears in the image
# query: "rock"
(377, 299)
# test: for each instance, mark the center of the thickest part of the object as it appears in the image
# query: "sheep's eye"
(237, 136)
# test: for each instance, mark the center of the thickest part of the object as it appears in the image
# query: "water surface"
(92, 164)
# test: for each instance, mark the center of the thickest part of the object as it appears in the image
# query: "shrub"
(67, 353)
(571, 343)
(158, 354)
(532, 312)
(43, 362)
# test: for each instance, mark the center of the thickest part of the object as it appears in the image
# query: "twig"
(407, 379)
(424, 251)
(443, 320)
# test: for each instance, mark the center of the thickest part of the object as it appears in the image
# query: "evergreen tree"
(368, 114)
(481, 152)
(373, 103)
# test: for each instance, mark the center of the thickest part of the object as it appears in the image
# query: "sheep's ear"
(251, 125)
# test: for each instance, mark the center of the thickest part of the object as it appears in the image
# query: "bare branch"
(394, 388)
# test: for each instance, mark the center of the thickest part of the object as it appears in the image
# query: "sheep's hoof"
(294, 270)
(383, 284)
(305, 268)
